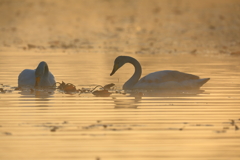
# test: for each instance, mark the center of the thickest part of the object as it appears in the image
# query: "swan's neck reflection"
(127, 102)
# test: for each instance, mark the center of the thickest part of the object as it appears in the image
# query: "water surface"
(73, 126)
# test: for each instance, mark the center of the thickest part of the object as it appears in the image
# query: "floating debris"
(237, 53)
(97, 125)
(108, 86)
(209, 125)
(221, 131)
(103, 92)
(174, 129)
(65, 122)
(180, 129)
(54, 128)
(67, 87)
(104, 126)
(17, 88)
(110, 127)
(2, 91)
(193, 52)
(7, 133)
(236, 127)
(70, 88)
(232, 122)
(32, 46)
(98, 158)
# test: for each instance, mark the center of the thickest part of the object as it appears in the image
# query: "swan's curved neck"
(42, 69)
(46, 71)
(136, 76)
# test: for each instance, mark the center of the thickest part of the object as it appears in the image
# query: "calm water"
(64, 126)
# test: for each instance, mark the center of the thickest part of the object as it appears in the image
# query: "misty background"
(128, 26)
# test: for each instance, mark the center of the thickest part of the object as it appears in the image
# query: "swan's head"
(119, 62)
(41, 71)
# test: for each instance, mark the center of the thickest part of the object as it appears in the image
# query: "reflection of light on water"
(126, 102)
(152, 125)
(159, 93)
(132, 99)
(37, 95)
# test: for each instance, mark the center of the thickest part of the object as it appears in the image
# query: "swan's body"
(39, 77)
(166, 79)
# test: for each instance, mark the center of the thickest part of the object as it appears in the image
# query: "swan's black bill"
(115, 68)
(113, 71)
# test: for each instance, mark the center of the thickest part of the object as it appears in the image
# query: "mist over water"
(80, 40)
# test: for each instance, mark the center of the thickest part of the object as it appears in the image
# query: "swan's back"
(27, 78)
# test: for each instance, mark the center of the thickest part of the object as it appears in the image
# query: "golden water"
(64, 126)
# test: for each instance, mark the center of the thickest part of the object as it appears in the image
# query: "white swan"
(166, 79)
(39, 77)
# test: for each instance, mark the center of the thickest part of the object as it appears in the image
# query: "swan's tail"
(193, 84)
(202, 81)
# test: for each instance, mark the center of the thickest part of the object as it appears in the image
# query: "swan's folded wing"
(170, 80)
(26, 78)
(51, 79)
(166, 76)
(187, 84)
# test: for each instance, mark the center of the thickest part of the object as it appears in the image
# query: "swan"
(39, 77)
(166, 79)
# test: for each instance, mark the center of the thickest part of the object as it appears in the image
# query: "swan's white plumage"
(166, 79)
(27, 78)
